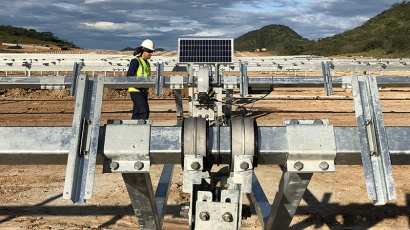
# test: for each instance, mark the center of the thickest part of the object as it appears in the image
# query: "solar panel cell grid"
(205, 51)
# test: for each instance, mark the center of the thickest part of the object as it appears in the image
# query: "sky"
(117, 24)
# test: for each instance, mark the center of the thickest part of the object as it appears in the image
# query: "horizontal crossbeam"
(50, 145)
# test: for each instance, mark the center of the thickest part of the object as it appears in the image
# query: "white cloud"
(121, 23)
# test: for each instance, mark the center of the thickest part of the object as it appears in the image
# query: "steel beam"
(243, 82)
(165, 145)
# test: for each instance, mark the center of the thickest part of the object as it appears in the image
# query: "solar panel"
(202, 51)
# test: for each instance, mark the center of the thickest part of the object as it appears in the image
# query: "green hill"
(385, 35)
(271, 37)
(10, 34)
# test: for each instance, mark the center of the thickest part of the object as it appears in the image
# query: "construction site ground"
(31, 195)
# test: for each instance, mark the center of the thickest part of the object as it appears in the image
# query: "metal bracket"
(82, 155)
(225, 214)
(243, 151)
(327, 78)
(373, 140)
(52, 82)
(159, 84)
(176, 82)
(74, 80)
(128, 153)
(230, 82)
(194, 151)
(312, 148)
(244, 81)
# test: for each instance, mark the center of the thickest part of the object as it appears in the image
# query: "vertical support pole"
(74, 79)
(161, 195)
(327, 78)
(190, 89)
(244, 82)
(139, 187)
(291, 189)
(82, 155)
(228, 104)
(219, 106)
(159, 86)
(261, 203)
(373, 140)
(178, 104)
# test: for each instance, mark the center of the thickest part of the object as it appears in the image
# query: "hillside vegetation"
(272, 37)
(387, 34)
(10, 34)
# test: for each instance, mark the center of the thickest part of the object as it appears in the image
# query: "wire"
(260, 99)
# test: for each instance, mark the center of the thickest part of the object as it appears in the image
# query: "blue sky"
(114, 25)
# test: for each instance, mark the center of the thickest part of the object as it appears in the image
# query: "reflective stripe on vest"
(144, 70)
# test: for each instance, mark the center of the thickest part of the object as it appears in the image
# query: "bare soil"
(31, 195)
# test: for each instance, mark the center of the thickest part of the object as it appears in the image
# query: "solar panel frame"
(205, 51)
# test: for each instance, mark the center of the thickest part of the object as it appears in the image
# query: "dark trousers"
(140, 109)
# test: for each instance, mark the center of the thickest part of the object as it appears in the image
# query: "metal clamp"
(176, 82)
(230, 82)
(127, 153)
(312, 148)
(194, 156)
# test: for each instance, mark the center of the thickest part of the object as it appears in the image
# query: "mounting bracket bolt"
(318, 122)
(298, 165)
(227, 217)
(114, 165)
(195, 166)
(204, 216)
(324, 165)
(244, 165)
(139, 165)
(294, 122)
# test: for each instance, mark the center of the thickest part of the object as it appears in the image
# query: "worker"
(140, 67)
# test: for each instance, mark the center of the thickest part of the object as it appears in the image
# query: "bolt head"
(204, 216)
(227, 217)
(298, 165)
(318, 122)
(324, 165)
(114, 165)
(244, 165)
(294, 122)
(138, 165)
(195, 166)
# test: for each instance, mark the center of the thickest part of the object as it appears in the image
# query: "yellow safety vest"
(144, 70)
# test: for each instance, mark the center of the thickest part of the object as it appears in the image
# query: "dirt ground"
(31, 195)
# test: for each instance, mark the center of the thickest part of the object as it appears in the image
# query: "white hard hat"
(148, 44)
